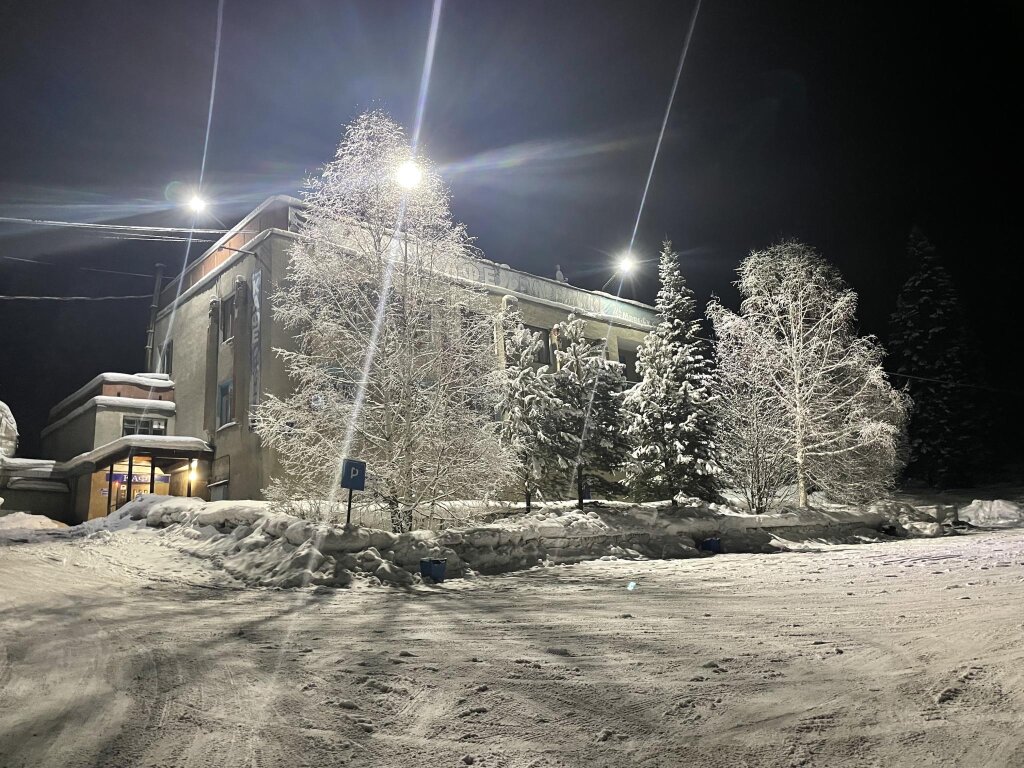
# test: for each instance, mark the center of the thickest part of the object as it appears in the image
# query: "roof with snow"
(153, 381)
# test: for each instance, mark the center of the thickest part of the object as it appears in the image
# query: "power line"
(82, 269)
(73, 298)
(184, 231)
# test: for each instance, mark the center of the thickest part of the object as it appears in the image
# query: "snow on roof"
(137, 404)
(147, 442)
(152, 380)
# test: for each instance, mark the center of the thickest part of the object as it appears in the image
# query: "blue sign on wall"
(353, 474)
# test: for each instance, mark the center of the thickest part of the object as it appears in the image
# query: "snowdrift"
(20, 525)
(262, 547)
(998, 513)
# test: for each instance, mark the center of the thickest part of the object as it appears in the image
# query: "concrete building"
(214, 345)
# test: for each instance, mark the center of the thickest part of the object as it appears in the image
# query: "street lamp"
(409, 175)
(625, 264)
(197, 204)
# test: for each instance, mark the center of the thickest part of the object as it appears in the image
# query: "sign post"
(353, 477)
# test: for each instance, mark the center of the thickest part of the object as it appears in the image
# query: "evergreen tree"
(668, 413)
(928, 340)
(527, 403)
(588, 442)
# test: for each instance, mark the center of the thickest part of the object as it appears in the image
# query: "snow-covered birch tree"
(668, 412)
(393, 360)
(842, 420)
(527, 403)
(750, 427)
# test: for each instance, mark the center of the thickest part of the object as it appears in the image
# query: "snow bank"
(23, 521)
(262, 547)
(23, 526)
(997, 513)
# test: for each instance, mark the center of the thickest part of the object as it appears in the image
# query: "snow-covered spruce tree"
(928, 340)
(842, 419)
(393, 362)
(588, 443)
(527, 402)
(750, 427)
(669, 411)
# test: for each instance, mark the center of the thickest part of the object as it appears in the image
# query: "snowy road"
(120, 651)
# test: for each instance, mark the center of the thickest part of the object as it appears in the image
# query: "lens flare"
(409, 175)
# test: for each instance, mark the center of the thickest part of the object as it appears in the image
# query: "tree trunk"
(527, 499)
(396, 516)
(579, 485)
(801, 483)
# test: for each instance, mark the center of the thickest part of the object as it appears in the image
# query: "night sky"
(839, 123)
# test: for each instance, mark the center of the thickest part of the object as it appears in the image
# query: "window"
(227, 318)
(225, 404)
(628, 358)
(132, 425)
(543, 356)
(166, 357)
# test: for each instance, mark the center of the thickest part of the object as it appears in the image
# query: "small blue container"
(712, 545)
(438, 566)
(425, 570)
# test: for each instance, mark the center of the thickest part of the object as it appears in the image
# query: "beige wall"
(251, 467)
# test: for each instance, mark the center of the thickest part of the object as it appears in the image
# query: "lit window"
(132, 425)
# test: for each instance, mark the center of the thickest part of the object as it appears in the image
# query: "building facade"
(214, 341)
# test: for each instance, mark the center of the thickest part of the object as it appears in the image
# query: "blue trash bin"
(438, 566)
(712, 545)
(425, 567)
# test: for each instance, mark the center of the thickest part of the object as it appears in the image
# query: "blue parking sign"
(353, 474)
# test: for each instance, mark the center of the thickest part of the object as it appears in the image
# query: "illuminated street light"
(625, 264)
(409, 175)
(197, 204)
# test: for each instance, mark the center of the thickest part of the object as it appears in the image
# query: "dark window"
(543, 356)
(227, 318)
(166, 357)
(225, 404)
(132, 425)
(628, 358)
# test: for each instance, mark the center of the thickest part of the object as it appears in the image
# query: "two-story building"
(186, 429)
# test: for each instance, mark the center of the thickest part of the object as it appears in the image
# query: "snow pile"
(902, 519)
(997, 513)
(23, 521)
(260, 546)
(23, 526)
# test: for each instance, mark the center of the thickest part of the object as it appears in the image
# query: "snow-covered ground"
(117, 649)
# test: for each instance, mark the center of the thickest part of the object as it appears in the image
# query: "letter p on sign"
(353, 474)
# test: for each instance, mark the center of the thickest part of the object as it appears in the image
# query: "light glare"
(626, 264)
(197, 204)
(409, 175)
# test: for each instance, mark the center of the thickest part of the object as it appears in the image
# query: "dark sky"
(839, 123)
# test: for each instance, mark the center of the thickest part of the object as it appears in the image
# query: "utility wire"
(115, 227)
(73, 298)
(83, 269)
